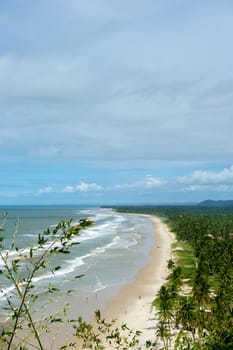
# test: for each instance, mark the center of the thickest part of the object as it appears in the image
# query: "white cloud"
(208, 177)
(83, 187)
(194, 188)
(47, 77)
(88, 187)
(69, 189)
(156, 101)
(145, 100)
(151, 181)
(47, 189)
(148, 182)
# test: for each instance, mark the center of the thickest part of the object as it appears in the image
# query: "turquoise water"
(109, 254)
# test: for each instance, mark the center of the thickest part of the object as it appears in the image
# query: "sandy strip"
(132, 305)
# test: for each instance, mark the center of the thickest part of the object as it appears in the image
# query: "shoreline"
(133, 302)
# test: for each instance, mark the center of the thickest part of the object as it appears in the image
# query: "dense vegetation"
(196, 308)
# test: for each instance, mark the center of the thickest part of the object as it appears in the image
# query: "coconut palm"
(163, 332)
(186, 316)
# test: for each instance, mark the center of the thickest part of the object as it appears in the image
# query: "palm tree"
(163, 332)
(175, 280)
(201, 287)
(165, 303)
(170, 264)
(186, 315)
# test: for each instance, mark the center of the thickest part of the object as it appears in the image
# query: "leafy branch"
(16, 262)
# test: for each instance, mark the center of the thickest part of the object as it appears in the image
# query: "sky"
(116, 101)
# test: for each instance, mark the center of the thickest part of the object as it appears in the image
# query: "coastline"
(132, 304)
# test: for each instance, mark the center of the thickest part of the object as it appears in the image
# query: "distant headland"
(216, 203)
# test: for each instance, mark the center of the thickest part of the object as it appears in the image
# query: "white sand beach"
(132, 305)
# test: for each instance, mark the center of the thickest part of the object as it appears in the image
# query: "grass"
(184, 256)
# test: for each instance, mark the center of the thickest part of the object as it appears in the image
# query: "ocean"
(109, 255)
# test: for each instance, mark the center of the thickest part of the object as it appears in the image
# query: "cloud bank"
(96, 94)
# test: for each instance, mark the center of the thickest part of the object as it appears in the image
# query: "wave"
(113, 234)
(70, 265)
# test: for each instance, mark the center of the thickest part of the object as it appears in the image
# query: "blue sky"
(112, 101)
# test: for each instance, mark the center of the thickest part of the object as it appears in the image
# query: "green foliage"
(207, 251)
(20, 268)
(107, 334)
(185, 259)
(197, 317)
(200, 316)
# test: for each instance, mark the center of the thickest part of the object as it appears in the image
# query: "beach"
(132, 305)
(130, 300)
(133, 302)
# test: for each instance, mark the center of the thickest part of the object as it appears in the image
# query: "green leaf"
(70, 291)
(15, 264)
(75, 243)
(57, 268)
(31, 252)
(53, 289)
(54, 250)
(56, 320)
(42, 265)
(47, 232)
(41, 240)
(63, 250)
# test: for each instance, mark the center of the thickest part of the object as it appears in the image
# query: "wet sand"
(130, 304)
